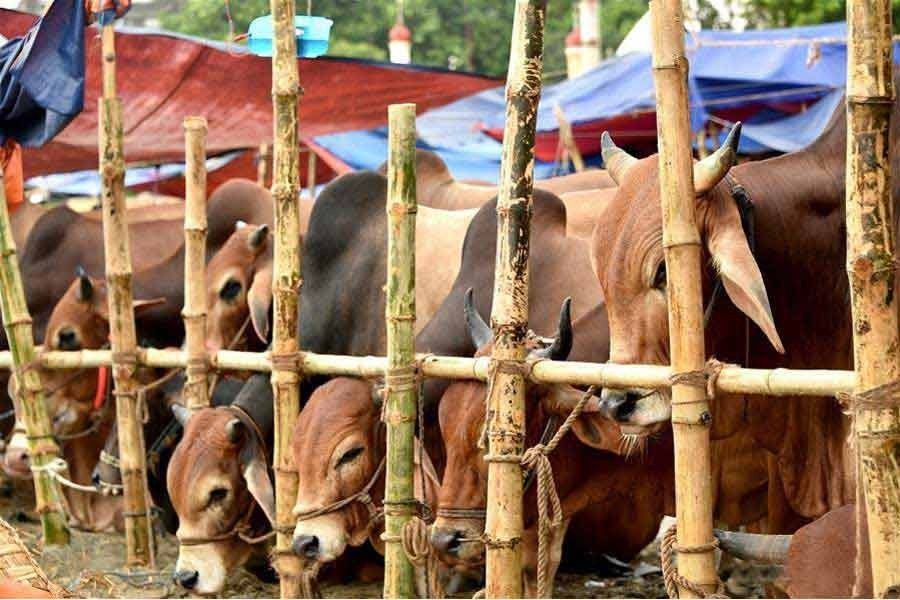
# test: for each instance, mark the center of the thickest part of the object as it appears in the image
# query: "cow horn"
(85, 290)
(710, 171)
(234, 429)
(479, 331)
(181, 414)
(768, 549)
(258, 237)
(562, 343)
(616, 160)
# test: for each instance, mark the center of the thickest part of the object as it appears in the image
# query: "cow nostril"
(447, 541)
(95, 479)
(629, 403)
(187, 579)
(306, 546)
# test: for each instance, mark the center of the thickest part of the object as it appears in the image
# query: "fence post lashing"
(400, 375)
(871, 268)
(30, 408)
(122, 334)
(194, 312)
(285, 349)
(681, 242)
(509, 314)
(263, 158)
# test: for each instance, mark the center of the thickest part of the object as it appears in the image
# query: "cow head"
(216, 477)
(628, 260)
(239, 283)
(337, 446)
(463, 494)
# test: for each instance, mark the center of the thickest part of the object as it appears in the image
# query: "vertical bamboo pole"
(568, 139)
(121, 322)
(311, 173)
(285, 342)
(871, 268)
(509, 316)
(681, 241)
(263, 156)
(400, 375)
(30, 408)
(194, 311)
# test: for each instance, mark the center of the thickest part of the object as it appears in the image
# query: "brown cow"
(795, 277)
(338, 448)
(640, 487)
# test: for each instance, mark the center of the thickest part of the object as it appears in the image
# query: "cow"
(792, 286)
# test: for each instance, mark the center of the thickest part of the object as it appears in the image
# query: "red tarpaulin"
(163, 78)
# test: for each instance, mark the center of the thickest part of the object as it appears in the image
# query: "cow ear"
(259, 300)
(85, 290)
(738, 270)
(253, 467)
(590, 428)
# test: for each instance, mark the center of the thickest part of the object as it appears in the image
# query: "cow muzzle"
(455, 545)
(636, 410)
(321, 539)
(16, 460)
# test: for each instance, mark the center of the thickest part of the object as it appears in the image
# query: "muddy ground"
(92, 567)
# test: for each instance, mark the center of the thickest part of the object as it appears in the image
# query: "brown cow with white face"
(618, 504)
(338, 449)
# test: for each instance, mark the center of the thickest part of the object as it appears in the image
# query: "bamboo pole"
(30, 408)
(681, 241)
(400, 375)
(138, 542)
(311, 172)
(871, 268)
(263, 156)
(285, 342)
(194, 313)
(568, 138)
(509, 315)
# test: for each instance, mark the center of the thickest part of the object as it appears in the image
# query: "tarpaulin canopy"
(163, 77)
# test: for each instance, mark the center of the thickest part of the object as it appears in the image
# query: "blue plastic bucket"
(313, 34)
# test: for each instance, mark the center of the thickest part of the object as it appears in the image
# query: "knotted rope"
(421, 554)
(673, 580)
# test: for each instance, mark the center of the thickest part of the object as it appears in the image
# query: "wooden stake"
(194, 312)
(30, 408)
(311, 173)
(690, 410)
(285, 343)
(263, 156)
(509, 316)
(871, 267)
(568, 138)
(400, 375)
(138, 542)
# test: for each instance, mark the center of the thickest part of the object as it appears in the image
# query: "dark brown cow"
(795, 278)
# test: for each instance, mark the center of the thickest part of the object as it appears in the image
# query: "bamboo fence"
(504, 523)
(311, 159)
(691, 418)
(123, 340)
(286, 286)
(400, 375)
(196, 391)
(263, 158)
(871, 268)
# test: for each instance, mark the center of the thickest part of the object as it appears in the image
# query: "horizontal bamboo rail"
(731, 380)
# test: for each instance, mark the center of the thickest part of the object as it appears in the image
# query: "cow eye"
(349, 456)
(659, 279)
(230, 290)
(217, 496)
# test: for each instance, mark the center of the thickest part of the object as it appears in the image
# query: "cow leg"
(530, 557)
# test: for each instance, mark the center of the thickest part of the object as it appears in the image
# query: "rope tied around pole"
(420, 552)
(673, 580)
(882, 397)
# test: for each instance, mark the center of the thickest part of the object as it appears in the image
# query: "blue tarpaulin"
(42, 76)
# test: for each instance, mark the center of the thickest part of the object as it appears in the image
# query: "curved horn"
(616, 160)
(234, 429)
(768, 549)
(85, 291)
(258, 237)
(479, 331)
(562, 343)
(710, 171)
(181, 414)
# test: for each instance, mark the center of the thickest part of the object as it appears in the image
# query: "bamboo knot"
(498, 544)
(287, 361)
(23, 320)
(870, 100)
(398, 209)
(113, 169)
(882, 397)
(668, 245)
(10, 251)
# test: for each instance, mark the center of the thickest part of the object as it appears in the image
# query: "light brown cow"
(795, 278)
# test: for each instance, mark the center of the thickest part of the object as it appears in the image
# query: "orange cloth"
(13, 182)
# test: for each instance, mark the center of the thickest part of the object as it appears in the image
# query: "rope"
(420, 553)
(673, 580)
(55, 468)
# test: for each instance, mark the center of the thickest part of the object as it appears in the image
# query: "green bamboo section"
(30, 408)
(285, 342)
(509, 317)
(400, 375)
(122, 335)
(871, 267)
